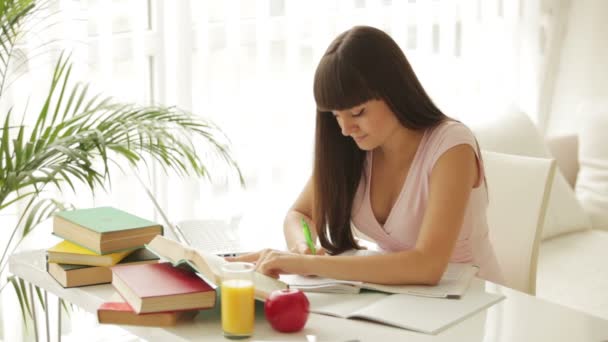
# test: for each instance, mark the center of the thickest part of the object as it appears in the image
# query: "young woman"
(391, 163)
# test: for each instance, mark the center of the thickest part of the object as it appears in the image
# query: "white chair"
(519, 189)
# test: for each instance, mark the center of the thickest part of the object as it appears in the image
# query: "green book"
(105, 230)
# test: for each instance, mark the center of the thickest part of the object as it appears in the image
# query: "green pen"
(308, 236)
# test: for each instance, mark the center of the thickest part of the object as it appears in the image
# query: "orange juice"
(238, 307)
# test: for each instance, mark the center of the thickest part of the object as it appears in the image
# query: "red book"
(122, 313)
(162, 287)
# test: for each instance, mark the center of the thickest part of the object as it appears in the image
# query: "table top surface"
(519, 317)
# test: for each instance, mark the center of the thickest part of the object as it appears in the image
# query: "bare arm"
(452, 180)
(292, 228)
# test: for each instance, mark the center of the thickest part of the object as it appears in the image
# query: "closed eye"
(359, 113)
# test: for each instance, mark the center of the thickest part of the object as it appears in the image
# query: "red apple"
(287, 310)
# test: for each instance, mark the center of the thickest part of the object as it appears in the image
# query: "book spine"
(98, 251)
(135, 236)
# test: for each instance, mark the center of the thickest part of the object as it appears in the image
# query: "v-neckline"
(403, 186)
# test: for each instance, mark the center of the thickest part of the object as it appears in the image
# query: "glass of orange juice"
(237, 298)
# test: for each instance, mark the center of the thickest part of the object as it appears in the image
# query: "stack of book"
(96, 239)
(156, 295)
(165, 293)
(64, 265)
(105, 245)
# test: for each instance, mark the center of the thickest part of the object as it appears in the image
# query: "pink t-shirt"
(400, 231)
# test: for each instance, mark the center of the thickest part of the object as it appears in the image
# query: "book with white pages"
(207, 265)
(422, 314)
(453, 283)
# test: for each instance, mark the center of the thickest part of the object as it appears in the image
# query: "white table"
(517, 318)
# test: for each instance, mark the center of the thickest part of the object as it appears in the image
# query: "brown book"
(122, 313)
(80, 275)
(104, 230)
(161, 287)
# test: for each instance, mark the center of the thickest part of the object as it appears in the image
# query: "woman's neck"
(401, 147)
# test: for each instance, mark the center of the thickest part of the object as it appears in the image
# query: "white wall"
(582, 74)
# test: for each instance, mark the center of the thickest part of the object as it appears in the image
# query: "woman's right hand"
(302, 248)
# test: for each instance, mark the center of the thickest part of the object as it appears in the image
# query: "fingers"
(273, 263)
(255, 258)
(270, 265)
(250, 257)
(267, 255)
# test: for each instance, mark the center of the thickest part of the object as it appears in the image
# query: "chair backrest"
(518, 189)
(564, 149)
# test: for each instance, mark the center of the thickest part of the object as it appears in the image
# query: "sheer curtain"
(249, 64)
(252, 65)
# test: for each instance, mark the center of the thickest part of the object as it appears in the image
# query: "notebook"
(422, 314)
(453, 284)
(212, 236)
(215, 236)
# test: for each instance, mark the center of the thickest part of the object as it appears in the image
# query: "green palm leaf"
(68, 147)
(12, 15)
(78, 137)
(21, 292)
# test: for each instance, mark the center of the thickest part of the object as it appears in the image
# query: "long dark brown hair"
(361, 64)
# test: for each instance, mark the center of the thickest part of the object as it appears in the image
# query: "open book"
(453, 283)
(422, 314)
(209, 266)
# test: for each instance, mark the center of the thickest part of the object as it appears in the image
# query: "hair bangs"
(338, 85)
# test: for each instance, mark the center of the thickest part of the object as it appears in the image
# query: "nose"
(347, 126)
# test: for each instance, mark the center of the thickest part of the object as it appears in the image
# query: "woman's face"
(369, 124)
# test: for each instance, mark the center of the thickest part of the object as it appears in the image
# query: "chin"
(366, 147)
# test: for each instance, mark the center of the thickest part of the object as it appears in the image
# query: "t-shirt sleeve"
(450, 135)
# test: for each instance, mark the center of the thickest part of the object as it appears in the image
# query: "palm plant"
(77, 137)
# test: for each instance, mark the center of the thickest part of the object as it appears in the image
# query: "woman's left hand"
(273, 262)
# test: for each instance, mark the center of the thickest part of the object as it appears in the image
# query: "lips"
(360, 138)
